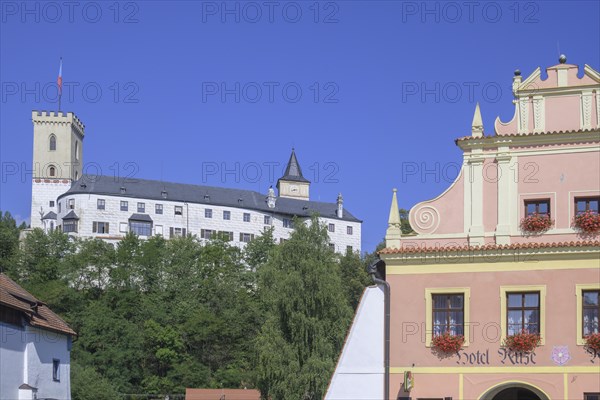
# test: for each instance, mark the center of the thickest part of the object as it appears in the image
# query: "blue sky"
(218, 93)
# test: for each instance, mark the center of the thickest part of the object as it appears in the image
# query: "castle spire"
(393, 235)
(293, 184)
(477, 125)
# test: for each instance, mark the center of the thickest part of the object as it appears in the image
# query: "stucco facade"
(479, 268)
(474, 269)
(35, 347)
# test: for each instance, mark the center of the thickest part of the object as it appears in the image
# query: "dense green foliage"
(156, 316)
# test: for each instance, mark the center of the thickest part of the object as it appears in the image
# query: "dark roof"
(50, 215)
(140, 217)
(71, 215)
(37, 313)
(238, 198)
(293, 172)
(218, 394)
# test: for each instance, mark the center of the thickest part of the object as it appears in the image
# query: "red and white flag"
(59, 79)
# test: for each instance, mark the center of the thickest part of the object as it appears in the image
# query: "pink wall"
(562, 113)
(408, 313)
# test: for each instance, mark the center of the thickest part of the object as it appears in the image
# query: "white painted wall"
(193, 219)
(360, 369)
(26, 356)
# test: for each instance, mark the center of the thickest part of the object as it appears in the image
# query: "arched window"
(77, 150)
(52, 171)
(76, 175)
(52, 142)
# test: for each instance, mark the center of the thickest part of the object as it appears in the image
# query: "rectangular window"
(59, 206)
(70, 226)
(590, 312)
(207, 213)
(288, 223)
(124, 205)
(583, 204)
(348, 249)
(141, 207)
(282, 240)
(207, 233)
(226, 236)
(522, 312)
(227, 215)
(448, 314)
(332, 246)
(158, 230)
(140, 228)
(51, 204)
(123, 227)
(71, 204)
(158, 209)
(100, 227)
(331, 227)
(267, 220)
(349, 230)
(178, 210)
(539, 207)
(177, 232)
(56, 370)
(101, 204)
(246, 217)
(246, 237)
(591, 396)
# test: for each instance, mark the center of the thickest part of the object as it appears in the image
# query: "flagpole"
(59, 82)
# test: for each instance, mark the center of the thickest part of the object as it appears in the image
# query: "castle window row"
(522, 310)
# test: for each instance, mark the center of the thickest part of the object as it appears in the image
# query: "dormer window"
(206, 197)
(163, 194)
(123, 190)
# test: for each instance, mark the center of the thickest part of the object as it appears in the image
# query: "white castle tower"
(57, 150)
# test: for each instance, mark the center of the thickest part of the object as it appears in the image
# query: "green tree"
(88, 384)
(354, 277)
(9, 242)
(307, 316)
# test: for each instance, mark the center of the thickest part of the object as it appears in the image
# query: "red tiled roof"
(222, 394)
(514, 246)
(38, 314)
(460, 139)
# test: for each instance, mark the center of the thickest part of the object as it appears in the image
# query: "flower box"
(592, 342)
(536, 223)
(523, 342)
(448, 343)
(587, 222)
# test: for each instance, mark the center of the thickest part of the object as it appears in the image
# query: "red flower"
(592, 342)
(587, 222)
(523, 342)
(448, 343)
(536, 223)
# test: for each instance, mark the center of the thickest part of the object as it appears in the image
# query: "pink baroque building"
(496, 295)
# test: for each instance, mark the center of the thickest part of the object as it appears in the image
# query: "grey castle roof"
(210, 195)
(71, 215)
(50, 215)
(293, 172)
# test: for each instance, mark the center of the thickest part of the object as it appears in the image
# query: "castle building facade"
(497, 294)
(106, 207)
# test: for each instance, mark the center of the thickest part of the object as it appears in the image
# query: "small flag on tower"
(59, 82)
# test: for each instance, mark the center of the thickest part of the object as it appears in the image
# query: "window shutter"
(252, 237)
(184, 232)
(171, 232)
(106, 227)
(94, 227)
(241, 237)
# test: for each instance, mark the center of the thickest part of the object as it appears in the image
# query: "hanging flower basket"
(587, 222)
(536, 223)
(592, 342)
(448, 343)
(523, 342)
